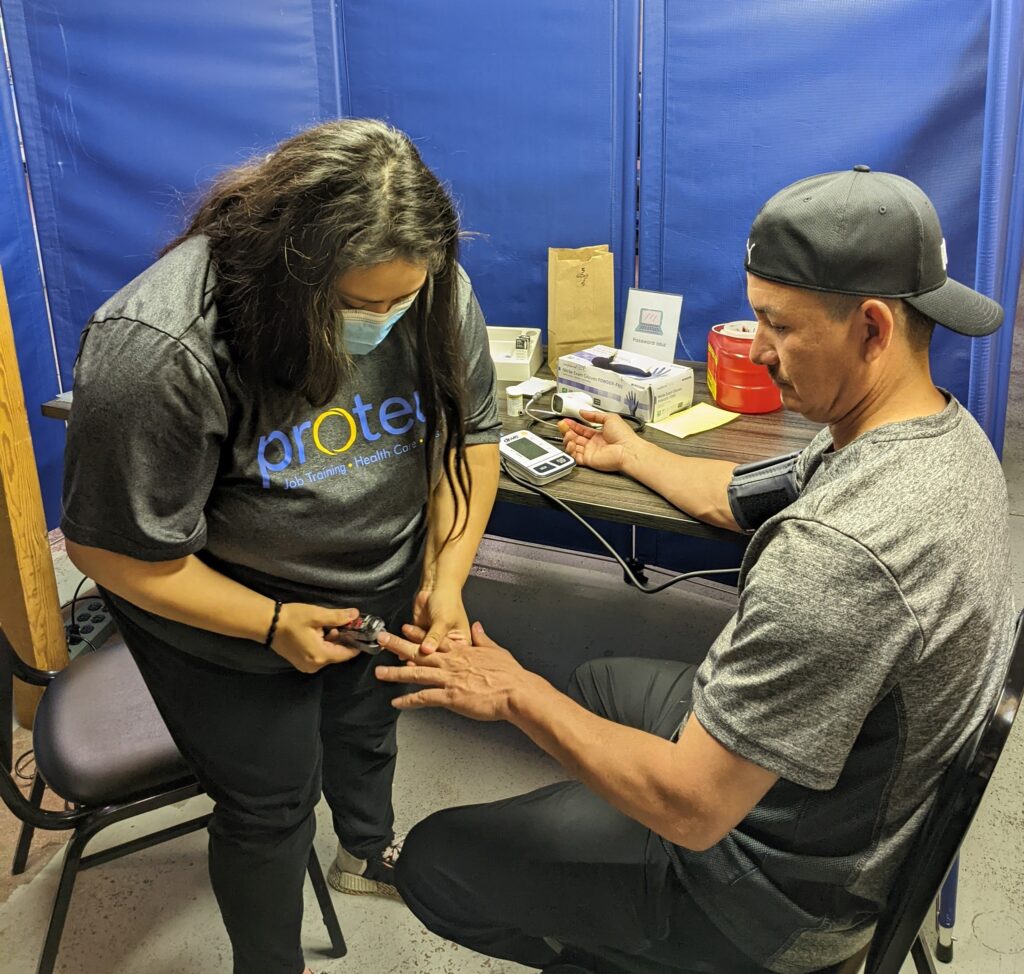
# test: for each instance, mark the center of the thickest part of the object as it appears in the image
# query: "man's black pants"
(560, 866)
(260, 745)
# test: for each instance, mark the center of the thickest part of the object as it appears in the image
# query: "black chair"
(937, 847)
(101, 745)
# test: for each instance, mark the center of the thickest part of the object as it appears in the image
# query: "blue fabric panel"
(129, 108)
(24, 287)
(1002, 213)
(740, 99)
(527, 110)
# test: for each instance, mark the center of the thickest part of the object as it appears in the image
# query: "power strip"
(91, 627)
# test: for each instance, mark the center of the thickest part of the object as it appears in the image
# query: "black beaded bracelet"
(268, 642)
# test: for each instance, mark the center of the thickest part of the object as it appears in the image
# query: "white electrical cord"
(547, 412)
(527, 410)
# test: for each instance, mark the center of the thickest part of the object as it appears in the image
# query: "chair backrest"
(6, 704)
(956, 802)
(11, 667)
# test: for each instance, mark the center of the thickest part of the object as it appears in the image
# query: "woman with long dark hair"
(286, 421)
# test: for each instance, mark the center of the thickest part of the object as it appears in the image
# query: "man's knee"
(591, 681)
(651, 694)
(424, 871)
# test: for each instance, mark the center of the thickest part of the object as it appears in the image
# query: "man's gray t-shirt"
(872, 635)
(172, 452)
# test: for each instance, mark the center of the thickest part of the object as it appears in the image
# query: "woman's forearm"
(449, 564)
(184, 590)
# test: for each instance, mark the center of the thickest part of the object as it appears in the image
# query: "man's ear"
(877, 326)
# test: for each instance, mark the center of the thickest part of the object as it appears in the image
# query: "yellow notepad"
(696, 419)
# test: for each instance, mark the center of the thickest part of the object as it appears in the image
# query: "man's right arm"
(693, 484)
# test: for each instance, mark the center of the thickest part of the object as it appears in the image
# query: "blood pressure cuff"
(759, 490)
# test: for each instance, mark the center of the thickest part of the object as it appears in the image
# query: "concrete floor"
(154, 913)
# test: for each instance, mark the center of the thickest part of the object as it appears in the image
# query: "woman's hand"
(299, 637)
(439, 612)
(604, 449)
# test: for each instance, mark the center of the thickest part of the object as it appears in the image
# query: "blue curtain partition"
(655, 127)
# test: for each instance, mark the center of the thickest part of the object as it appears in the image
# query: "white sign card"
(652, 324)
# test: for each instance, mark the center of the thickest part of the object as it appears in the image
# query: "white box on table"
(515, 352)
(659, 392)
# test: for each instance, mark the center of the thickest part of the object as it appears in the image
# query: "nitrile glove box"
(627, 383)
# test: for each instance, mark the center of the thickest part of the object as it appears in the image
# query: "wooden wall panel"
(29, 605)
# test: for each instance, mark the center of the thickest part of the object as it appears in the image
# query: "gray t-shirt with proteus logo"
(170, 452)
(872, 635)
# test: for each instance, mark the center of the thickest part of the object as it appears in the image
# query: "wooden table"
(614, 497)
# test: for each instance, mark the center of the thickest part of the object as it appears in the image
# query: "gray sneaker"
(372, 877)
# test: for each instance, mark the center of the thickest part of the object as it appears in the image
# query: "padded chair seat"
(98, 737)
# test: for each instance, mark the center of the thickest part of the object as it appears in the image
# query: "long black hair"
(283, 228)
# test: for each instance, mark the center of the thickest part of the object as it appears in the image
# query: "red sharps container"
(734, 381)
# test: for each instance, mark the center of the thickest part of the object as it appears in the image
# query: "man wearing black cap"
(752, 813)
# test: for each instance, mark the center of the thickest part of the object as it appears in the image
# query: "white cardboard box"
(613, 378)
(515, 351)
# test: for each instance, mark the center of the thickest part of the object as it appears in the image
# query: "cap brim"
(959, 308)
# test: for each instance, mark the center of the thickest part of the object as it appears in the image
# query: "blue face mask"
(362, 331)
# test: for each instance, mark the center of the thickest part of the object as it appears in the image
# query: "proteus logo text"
(335, 431)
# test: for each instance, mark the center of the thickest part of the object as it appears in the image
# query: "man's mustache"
(775, 376)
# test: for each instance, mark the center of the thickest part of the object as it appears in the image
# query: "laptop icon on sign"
(650, 322)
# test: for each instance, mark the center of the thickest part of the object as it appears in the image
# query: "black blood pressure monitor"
(534, 459)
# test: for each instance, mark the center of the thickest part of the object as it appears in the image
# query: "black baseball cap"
(870, 233)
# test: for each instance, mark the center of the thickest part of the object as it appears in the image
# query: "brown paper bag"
(581, 300)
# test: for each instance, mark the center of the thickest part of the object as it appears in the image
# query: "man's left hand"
(477, 680)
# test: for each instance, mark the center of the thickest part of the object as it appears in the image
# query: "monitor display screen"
(527, 448)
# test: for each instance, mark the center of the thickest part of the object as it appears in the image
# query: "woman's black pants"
(261, 744)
